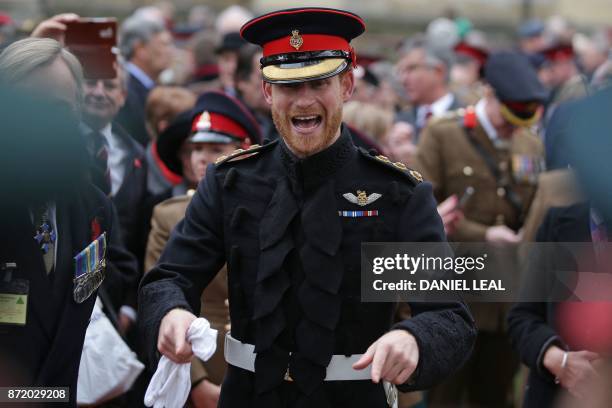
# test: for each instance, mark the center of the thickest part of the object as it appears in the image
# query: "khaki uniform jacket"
(447, 158)
(216, 310)
(556, 188)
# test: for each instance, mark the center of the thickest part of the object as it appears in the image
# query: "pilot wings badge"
(362, 198)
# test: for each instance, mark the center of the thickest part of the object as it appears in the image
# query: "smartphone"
(467, 194)
(94, 41)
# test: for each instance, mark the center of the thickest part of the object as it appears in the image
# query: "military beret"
(304, 44)
(220, 118)
(516, 85)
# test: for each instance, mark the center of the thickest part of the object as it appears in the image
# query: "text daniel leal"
(441, 284)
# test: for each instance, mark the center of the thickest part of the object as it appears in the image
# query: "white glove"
(171, 383)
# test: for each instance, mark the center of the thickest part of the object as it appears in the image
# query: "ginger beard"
(323, 129)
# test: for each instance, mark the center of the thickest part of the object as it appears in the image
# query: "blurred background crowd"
(416, 83)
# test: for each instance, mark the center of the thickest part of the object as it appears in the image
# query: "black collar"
(312, 171)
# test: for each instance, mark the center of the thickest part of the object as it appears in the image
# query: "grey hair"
(136, 30)
(22, 57)
(434, 55)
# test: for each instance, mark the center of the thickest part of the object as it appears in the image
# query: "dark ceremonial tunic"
(294, 272)
(46, 351)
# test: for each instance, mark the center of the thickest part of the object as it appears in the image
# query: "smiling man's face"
(308, 114)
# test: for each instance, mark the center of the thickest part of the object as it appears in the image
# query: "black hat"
(220, 118)
(304, 44)
(516, 85)
(171, 139)
(230, 42)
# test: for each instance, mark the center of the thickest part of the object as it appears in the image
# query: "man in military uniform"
(487, 155)
(277, 214)
(220, 124)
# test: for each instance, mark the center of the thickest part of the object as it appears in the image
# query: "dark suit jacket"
(47, 350)
(122, 274)
(132, 114)
(293, 272)
(531, 325)
(131, 196)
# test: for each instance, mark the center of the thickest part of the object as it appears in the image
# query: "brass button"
(468, 171)
(416, 175)
(501, 191)
(228, 327)
(226, 302)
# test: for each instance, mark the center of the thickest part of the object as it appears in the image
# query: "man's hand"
(450, 213)
(55, 27)
(578, 372)
(172, 340)
(500, 234)
(205, 395)
(394, 357)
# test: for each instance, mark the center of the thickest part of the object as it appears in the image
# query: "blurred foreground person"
(276, 214)
(567, 344)
(56, 226)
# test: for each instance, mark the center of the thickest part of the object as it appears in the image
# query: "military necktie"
(45, 236)
(101, 172)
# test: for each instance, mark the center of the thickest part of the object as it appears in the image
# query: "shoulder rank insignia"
(362, 198)
(414, 176)
(240, 154)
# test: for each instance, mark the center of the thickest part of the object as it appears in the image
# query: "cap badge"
(204, 122)
(296, 40)
(362, 198)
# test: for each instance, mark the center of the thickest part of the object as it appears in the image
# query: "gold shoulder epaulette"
(414, 176)
(241, 154)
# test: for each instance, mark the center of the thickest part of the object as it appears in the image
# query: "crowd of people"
(147, 180)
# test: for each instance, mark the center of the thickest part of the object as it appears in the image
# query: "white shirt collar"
(442, 105)
(107, 133)
(437, 108)
(484, 121)
(140, 75)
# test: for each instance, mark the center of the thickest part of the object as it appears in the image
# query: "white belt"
(340, 368)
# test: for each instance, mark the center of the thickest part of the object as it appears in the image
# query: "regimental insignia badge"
(362, 198)
(296, 40)
(204, 122)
